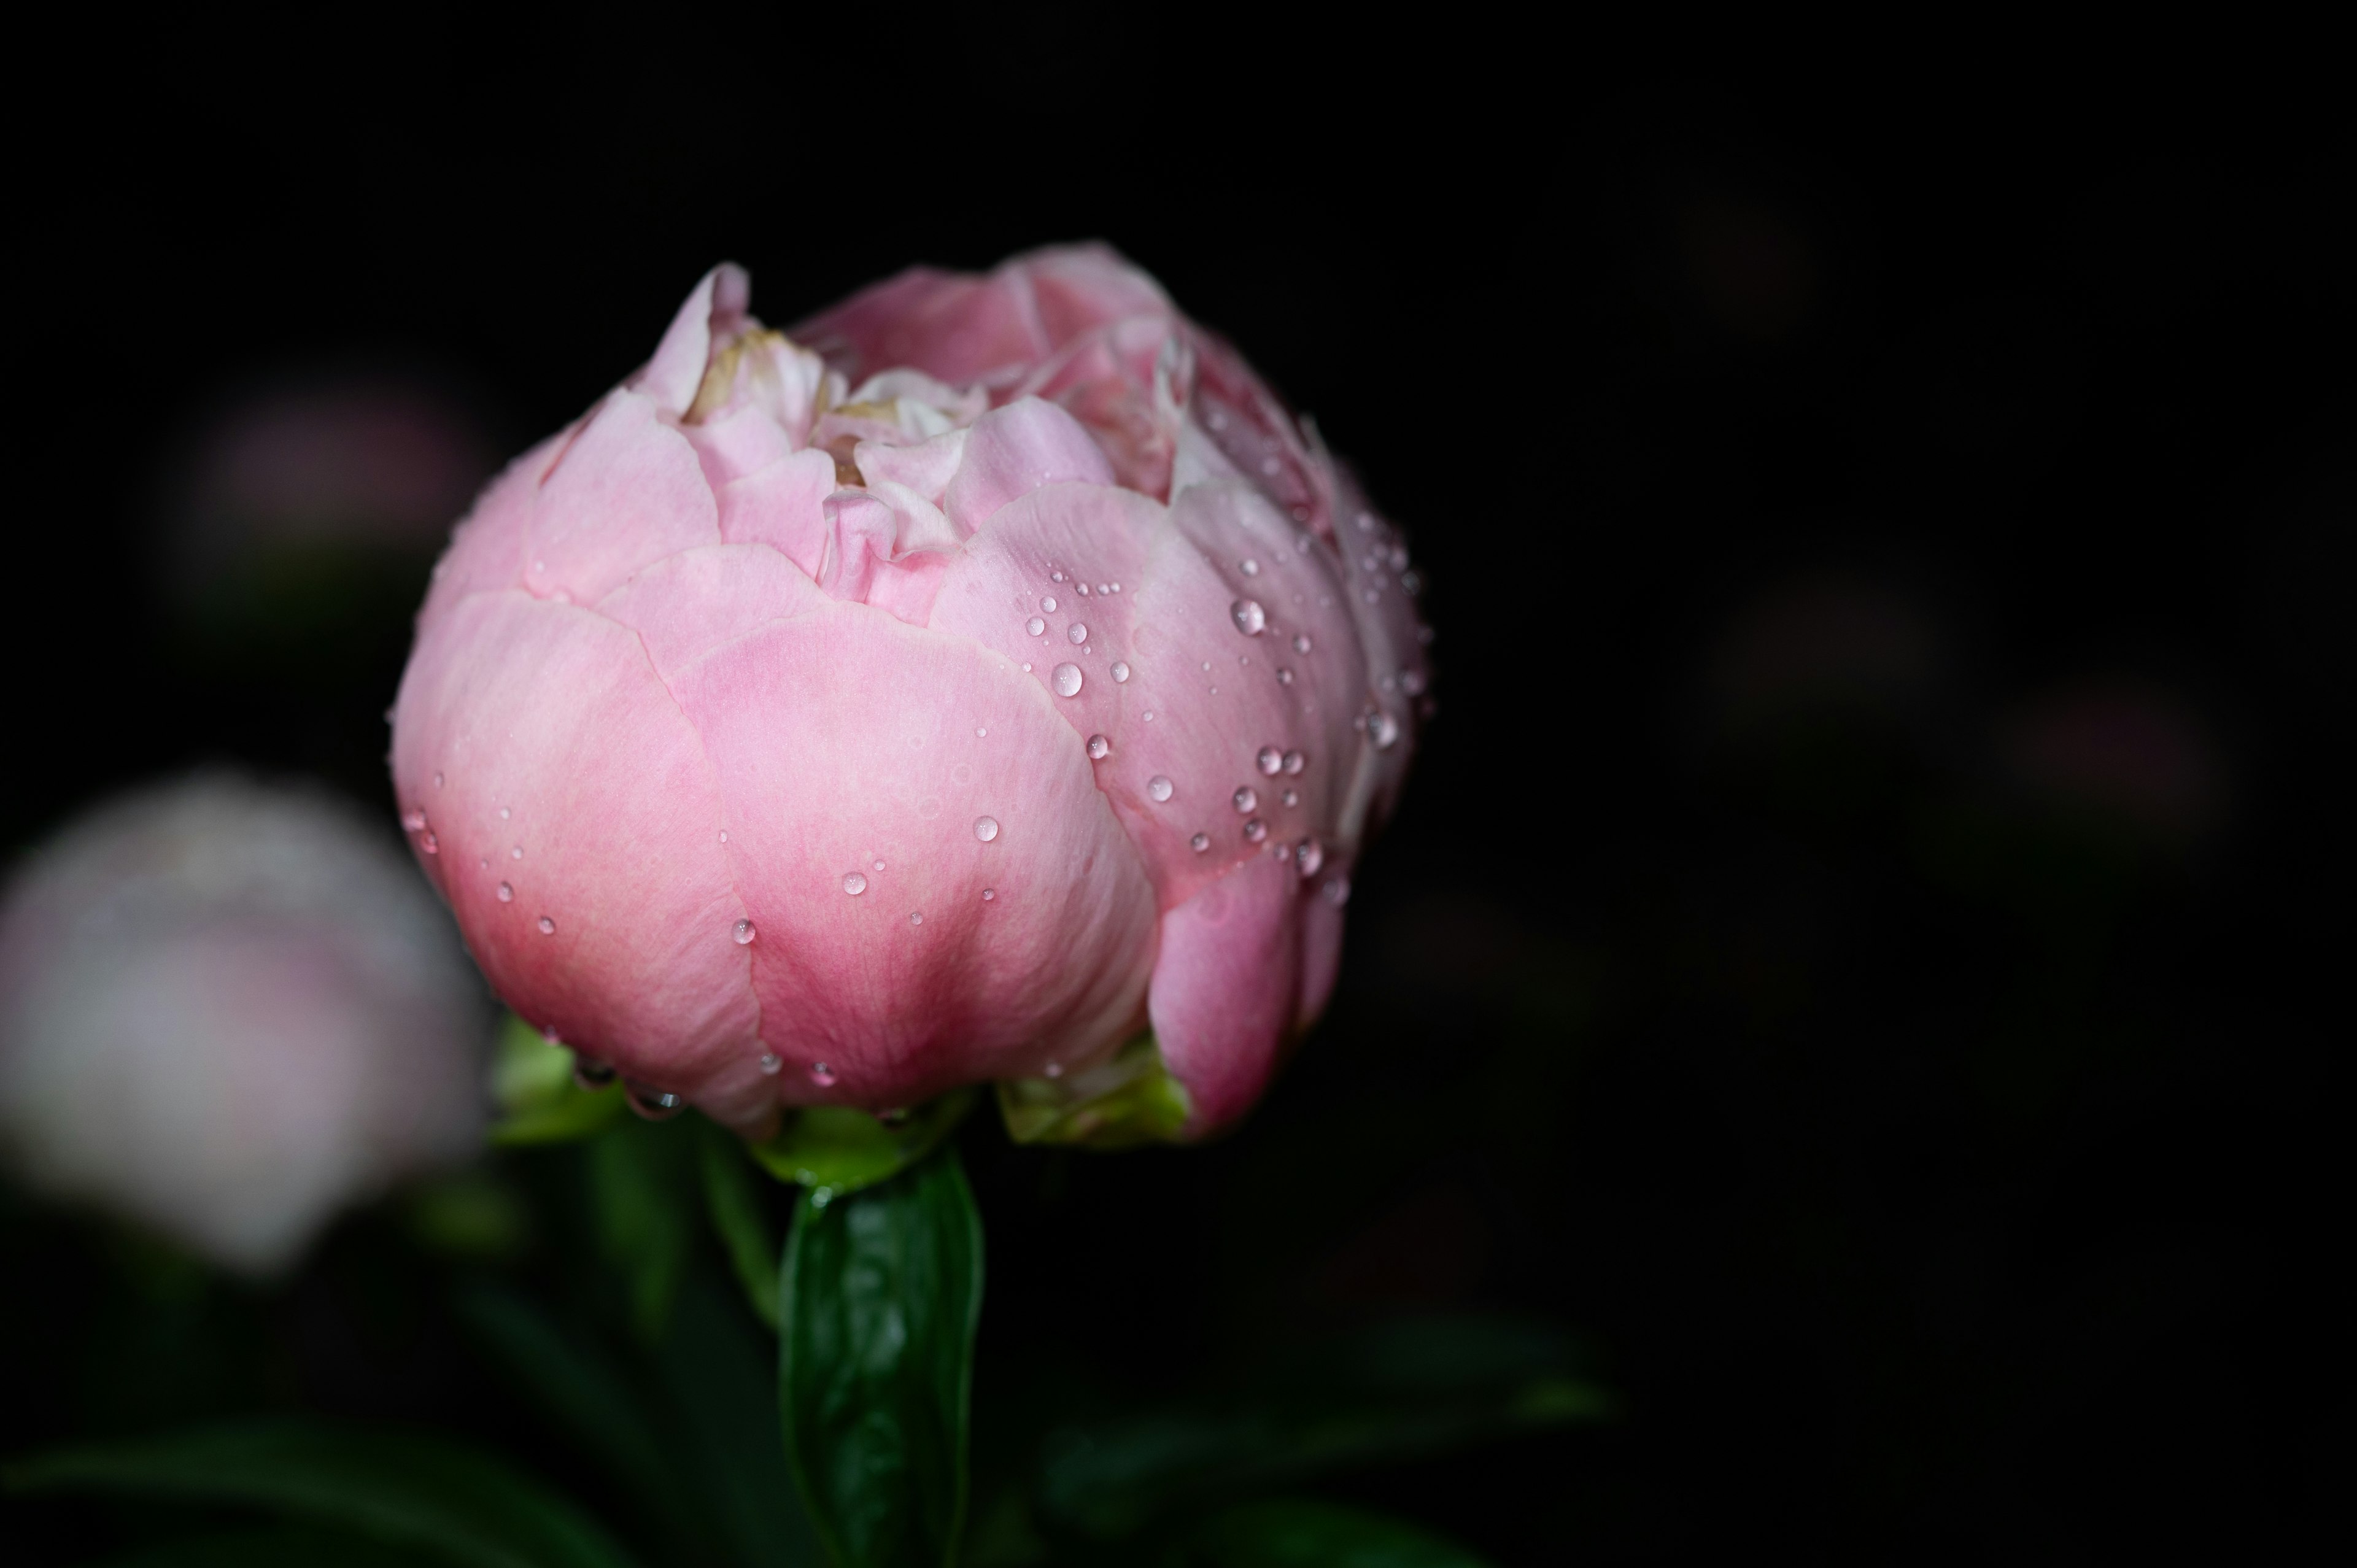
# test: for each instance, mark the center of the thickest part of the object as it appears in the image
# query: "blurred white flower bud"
(228, 1011)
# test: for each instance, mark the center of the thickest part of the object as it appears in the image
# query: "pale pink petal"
(715, 308)
(1225, 989)
(549, 758)
(845, 739)
(739, 442)
(685, 606)
(1014, 450)
(487, 551)
(925, 467)
(1079, 288)
(782, 506)
(958, 330)
(628, 492)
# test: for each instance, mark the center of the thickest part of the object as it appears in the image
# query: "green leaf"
(1406, 1389)
(1120, 1104)
(1313, 1535)
(734, 1201)
(835, 1150)
(398, 1487)
(881, 1292)
(540, 1102)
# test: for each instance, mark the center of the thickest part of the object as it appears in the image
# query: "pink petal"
(487, 551)
(553, 714)
(925, 467)
(1225, 989)
(715, 307)
(1014, 450)
(689, 604)
(844, 738)
(628, 492)
(782, 506)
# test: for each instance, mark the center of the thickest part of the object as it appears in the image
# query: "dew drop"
(1300, 642)
(1158, 788)
(1256, 830)
(771, 1062)
(1035, 626)
(414, 819)
(877, 864)
(1249, 568)
(1149, 715)
(1116, 587)
(985, 828)
(1055, 576)
(1307, 856)
(1250, 619)
(505, 813)
(507, 893)
(588, 1071)
(1284, 676)
(1291, 797)
(1337, 891)
(428, 842)
(1411, 682)
(988, 894)
(1099, 748)
(979, 732)
(1383, 730)
(1084, 588)
(1295, 762)
(547, 926)
(854, 884)
(915, 918)
(1067, 680)
(1120, 674)
(1268, 761)
(742, 933)
(821, 1075)
(1026, 667)
(1049, 604)
(1246, 798)
(655, 1104)
(1199, 842)
(1077, 633)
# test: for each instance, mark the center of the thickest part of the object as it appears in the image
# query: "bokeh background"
(1856, 949)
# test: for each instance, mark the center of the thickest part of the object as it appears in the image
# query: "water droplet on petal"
(1249, 568)
(1307, 856)
(1120, 674)
(505, 813)
(428, 842)
(516, 853)
(1247, 798)
(1199, 842)
(1084, 589)
(742, 932)
(1292, 796)
(1067, 680)
(547, 926)
(507, 893)
(1035, 626)
(1099, 748)
(1158, 788)
(821, 1075)
(771, 1062)
(1337, 891)
(655, 1104)
(1250, 619)
(915, 918)
(1049, 604)
(979, 732)
(591, 1073)
(1383, 730)
(875, 864)
(723, 835)
(1295, 762)
(1300, 642)
(1411, 682)
(1284, 676)
(1256, 830)
(1269, 761)
(854, 884)
(985, 828)
(988, 894)
(415, 821)
(1077, 633)
(1055, 576)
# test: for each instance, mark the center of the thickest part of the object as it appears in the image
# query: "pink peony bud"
(227, 1011)
(942, 693)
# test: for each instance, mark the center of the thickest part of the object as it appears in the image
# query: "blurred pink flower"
(943, 693)
(228, 1011)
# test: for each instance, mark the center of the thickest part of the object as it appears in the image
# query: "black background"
(1911, 1213)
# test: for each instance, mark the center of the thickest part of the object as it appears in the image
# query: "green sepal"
(533, 1085)
(1127, 1100)
(833, 1150)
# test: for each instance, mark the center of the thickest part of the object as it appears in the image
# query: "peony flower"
(985, 673)
(228, 1011)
